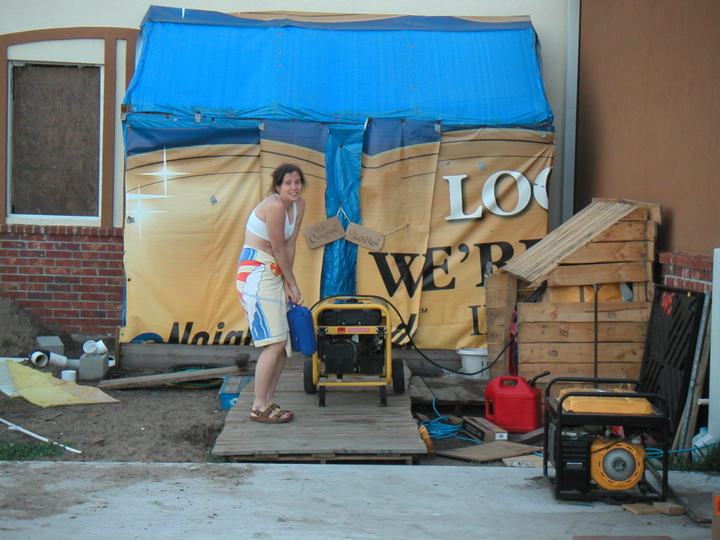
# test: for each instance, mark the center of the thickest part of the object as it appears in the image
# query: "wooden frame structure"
(592, 318)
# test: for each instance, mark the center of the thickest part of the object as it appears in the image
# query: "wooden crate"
(502, 293)
(501, 296)
(561, 338)
(608, 244)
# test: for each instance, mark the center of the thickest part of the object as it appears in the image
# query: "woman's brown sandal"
(272, 415)
(282, 411)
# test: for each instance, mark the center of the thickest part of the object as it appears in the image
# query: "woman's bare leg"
(267, 373)
(279, 366)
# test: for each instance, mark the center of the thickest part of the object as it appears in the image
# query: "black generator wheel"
(308, 383)
(398, 375)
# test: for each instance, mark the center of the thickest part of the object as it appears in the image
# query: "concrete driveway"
(68, 500)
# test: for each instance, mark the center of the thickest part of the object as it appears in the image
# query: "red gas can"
(513, 404)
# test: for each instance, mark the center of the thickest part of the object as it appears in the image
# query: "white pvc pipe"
(714, 369)
(14, 427)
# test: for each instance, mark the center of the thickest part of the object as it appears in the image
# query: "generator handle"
(593, 380)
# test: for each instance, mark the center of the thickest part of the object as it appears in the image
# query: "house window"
(54, 140)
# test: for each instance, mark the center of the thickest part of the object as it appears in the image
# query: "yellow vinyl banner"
(458, 215)
(186, 210)
(446, 209)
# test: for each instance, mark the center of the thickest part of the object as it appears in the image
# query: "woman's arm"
(275, 220)
(292, 241)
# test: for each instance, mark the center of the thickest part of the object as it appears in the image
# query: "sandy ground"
(163, 424)
(166, 424)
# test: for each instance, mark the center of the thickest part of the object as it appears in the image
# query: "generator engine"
(587, 459)
(354, 347)
(345, 353)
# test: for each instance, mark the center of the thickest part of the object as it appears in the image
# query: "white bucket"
(473, 360)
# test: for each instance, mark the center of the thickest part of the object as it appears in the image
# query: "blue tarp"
(214, 77)
(453, 70)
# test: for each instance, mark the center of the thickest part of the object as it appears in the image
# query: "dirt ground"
(165, 424)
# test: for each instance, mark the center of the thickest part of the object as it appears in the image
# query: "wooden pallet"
(457, 392)
(352, 427)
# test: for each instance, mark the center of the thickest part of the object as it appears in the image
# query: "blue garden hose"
(440, 428)
(657, 453)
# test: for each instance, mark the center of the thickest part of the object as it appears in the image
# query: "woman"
(266, 283)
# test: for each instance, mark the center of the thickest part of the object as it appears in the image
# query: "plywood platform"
(454, 391)
(352, 427)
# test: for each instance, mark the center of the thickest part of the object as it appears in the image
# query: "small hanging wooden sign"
(323, 232)
(365, 237)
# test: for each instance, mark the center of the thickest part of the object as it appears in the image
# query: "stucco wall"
(648, 113)
(548, 16)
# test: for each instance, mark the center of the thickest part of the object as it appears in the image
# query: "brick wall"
(68, 278)
(687, 271)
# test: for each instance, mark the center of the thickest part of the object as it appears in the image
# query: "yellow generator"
(354, 347)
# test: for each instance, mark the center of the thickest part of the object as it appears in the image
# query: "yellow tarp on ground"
(46, 391)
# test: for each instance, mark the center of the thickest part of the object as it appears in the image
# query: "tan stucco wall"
(649, 110)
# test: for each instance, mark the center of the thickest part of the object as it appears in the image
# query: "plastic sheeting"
(454, 70)
(219, 99)
(343, 159)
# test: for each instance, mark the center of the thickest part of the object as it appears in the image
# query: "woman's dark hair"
(278, 175)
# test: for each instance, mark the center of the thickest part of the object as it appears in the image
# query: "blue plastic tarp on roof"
(205, 77)
(453, 70)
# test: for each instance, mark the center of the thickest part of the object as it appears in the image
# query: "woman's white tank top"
(259, 228)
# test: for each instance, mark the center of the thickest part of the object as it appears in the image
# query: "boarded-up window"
(55, 140)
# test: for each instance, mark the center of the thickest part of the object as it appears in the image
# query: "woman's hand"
(292, 294)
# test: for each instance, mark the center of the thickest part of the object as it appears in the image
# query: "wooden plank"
(684, 435)
(352, 426)
(505, 295)
(591, 274)
(616, 370)
(628, 231)
(583, 312)
(168, 378)
(528, 461)
(653, 211)
(572, 353)
(600, 252)
(652, 231)
(531, 437)
(639, 214)
(492, 451)
(641, 509)
(561, 332)
(496, 289)
(670, 509)
(641, 291)
(457, 390)
(327, 458)
(166, 355)
(419, 392)
(583, 227)
(495, 319)
(576, 232)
